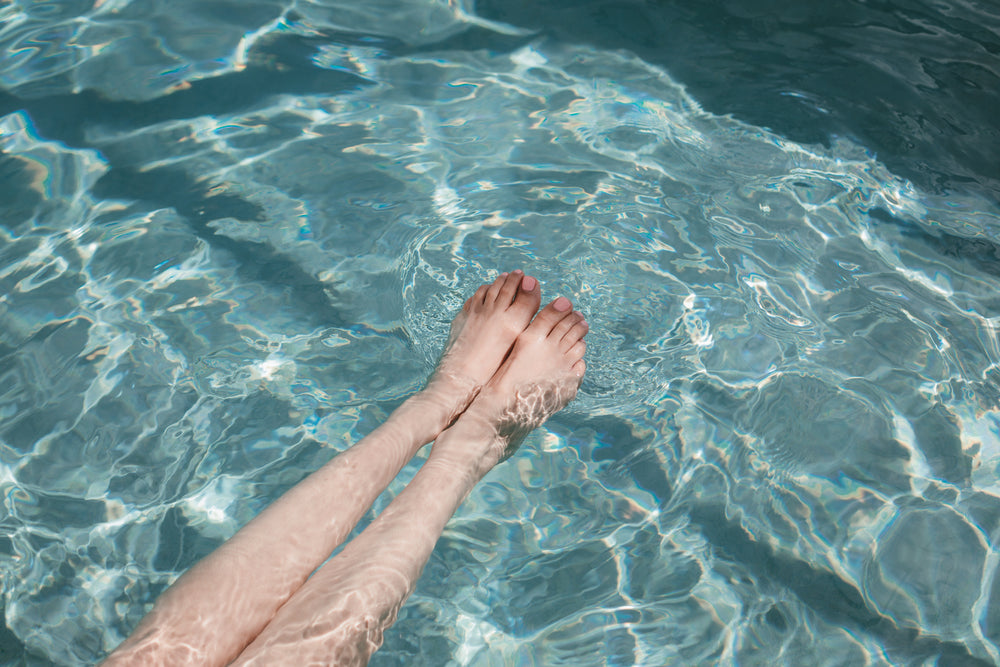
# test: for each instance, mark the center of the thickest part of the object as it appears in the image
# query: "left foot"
(480, 338)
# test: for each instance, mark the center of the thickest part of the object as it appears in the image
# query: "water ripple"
(793, 357)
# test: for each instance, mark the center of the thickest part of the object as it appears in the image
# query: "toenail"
(562, 304)
(528, 283)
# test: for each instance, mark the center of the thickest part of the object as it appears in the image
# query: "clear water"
(232, 236)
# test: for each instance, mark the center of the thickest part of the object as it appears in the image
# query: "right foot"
(539, 378)
(481, 337)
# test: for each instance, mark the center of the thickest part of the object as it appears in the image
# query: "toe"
(509, 288)
(477, 298)
(550, 316)
(564, 326)
(528, 298)
(575, 334)
(494, 290)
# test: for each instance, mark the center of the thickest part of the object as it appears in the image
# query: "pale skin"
(253, 602)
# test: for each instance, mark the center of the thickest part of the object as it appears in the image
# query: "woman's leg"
(216, 608)
(339, 615)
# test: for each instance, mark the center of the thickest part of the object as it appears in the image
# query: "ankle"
(471, 444)
(443, 400)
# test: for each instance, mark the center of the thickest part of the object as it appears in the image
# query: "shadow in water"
(888, 74)
(830, 597)
(286, 70)
(281, 66)
(12, 650)
(257, 262)
(982, 252)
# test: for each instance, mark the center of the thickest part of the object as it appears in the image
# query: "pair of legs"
(506, 368)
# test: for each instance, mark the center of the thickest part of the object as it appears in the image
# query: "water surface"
(231, 240)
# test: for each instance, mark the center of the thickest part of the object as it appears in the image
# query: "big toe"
(550, 316)
(527, 298)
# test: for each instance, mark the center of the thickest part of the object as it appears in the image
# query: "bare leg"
(339, 615)
(216, 608)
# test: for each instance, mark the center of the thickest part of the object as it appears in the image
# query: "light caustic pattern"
(785, 450)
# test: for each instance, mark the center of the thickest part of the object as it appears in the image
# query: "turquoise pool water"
(232, 237)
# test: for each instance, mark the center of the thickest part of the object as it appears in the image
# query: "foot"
(541, 375)
(481, 337)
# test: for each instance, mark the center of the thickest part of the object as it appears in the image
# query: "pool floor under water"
(232, 240)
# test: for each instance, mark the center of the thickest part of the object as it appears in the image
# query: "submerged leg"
(216, 608)
(339, 615)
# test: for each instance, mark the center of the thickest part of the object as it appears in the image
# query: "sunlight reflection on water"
(793, 364)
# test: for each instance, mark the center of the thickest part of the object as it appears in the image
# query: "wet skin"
(502, 374)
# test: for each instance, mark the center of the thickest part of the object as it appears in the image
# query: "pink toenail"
(528, 283)
(562, 304)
